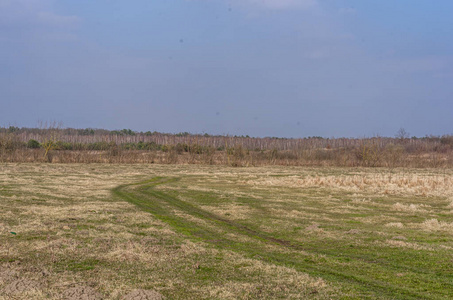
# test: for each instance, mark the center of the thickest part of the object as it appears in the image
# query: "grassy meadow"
(100, 231)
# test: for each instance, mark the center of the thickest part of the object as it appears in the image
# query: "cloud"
(29, 13)
(34, 22)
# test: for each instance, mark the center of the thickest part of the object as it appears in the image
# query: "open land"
(100, 231)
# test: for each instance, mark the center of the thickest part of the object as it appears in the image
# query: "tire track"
(165, 207)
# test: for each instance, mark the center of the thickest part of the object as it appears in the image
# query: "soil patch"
(143, 295)
(20, 286)
(81, 293)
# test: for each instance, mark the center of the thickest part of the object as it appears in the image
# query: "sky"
(285, 68)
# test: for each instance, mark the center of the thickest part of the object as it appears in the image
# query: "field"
(100, 231)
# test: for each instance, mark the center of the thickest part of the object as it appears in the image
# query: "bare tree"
(51, 133)
(402, 134)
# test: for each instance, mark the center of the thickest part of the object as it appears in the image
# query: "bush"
(368, 154)
(181, 147)
(148, 146)
(321, 154)
(33, 144)
(100, 146)
(59, 145)
(447, 140)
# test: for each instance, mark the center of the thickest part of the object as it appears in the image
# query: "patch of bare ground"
(7, 274)
(21, 286)
(81, 293)
(143, 295)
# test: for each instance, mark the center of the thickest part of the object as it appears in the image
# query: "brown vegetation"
(51, 144)
(75, 241)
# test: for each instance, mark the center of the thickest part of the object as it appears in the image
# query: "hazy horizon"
(397, 134)
(281, 68)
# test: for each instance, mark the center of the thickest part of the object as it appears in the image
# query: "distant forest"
(53, 144)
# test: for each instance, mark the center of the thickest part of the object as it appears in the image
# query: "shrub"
(59, 145)
(447, 140)
(321, 154)
(183, 147)
(368, 154)
(33, 144)
(100, 146)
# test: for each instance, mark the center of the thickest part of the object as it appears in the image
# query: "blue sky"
(288, 68)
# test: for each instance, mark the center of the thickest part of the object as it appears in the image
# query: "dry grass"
(382, 183)
(72, 238)
(435, 225)
(410, 207)
(395, 224)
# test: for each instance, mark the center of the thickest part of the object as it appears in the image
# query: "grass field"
(204, 232)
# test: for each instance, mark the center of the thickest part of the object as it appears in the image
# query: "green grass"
(82, 265)
(209, 232)
(363, 265)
